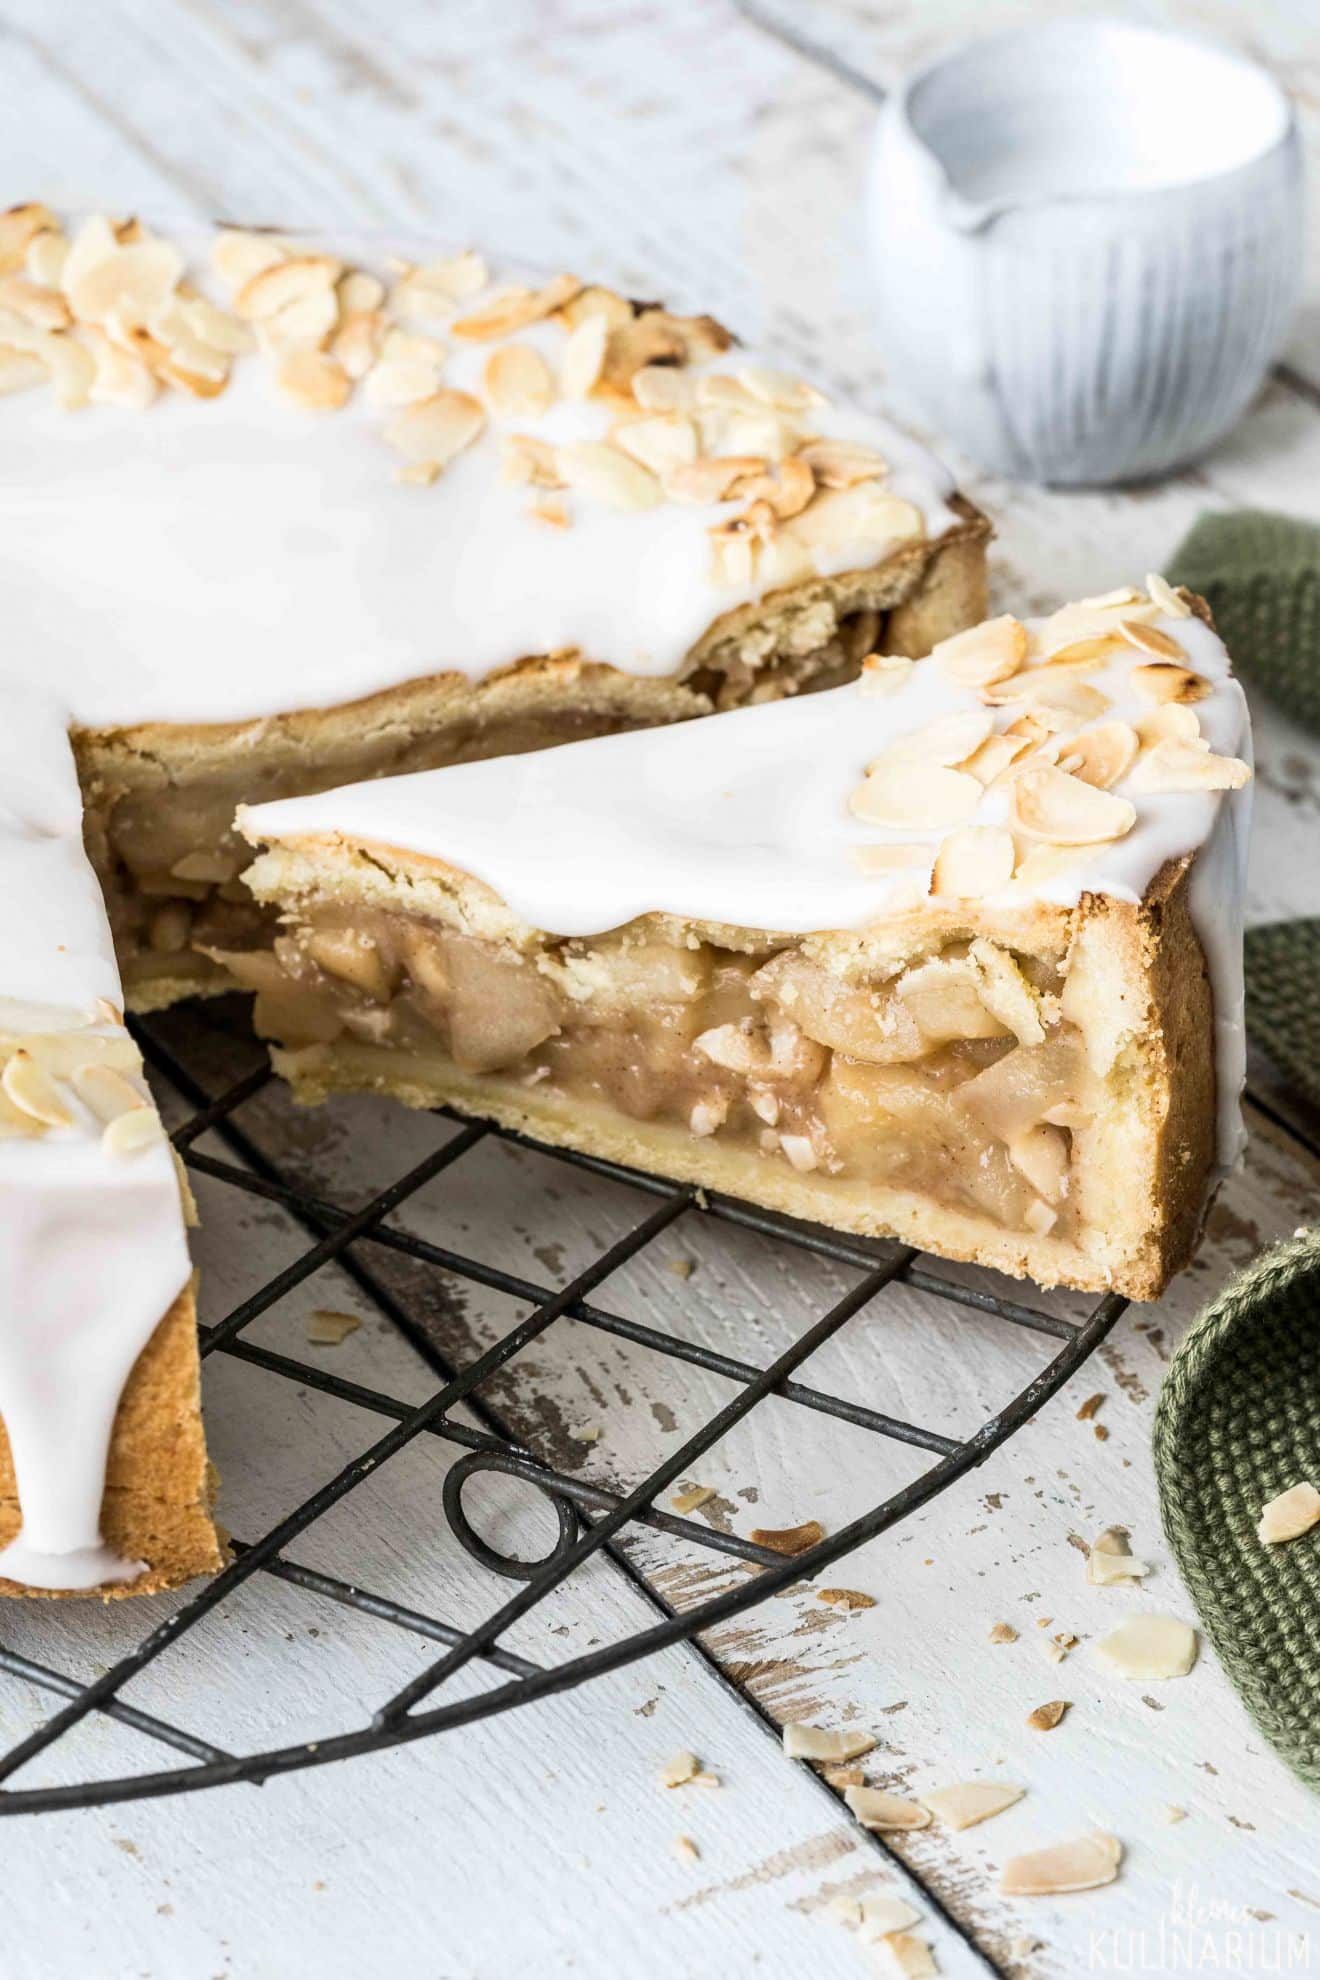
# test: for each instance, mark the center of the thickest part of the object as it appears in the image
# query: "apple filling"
(955, 1075)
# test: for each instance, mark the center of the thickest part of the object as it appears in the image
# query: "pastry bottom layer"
(159, 1484)
(863, 1206)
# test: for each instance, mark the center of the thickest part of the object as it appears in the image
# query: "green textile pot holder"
(1238, 1422)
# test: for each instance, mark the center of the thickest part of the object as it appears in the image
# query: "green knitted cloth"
(1238, 1419)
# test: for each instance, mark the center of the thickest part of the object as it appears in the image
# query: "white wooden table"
(716, 156)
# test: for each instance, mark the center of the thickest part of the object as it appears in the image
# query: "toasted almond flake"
(313, 319)
(1083, 654)
(455, 278)
(1082, 1865)
(1161, 680)
(45, 259)
(71, 367)
(712, 478)
(133, 1132)
(1173, 1813)
(679, 1769)
(663, 388)
(1050, 805)
(1090, 1406)
(1169, 719)
(915, 795)
(803, 1742)
(131, 283)
(402, 381)
(1046, 1717)
(213, 326)
(418, 474)
(585, 1433)
(969, 1802)
(883, 672)
(788, 1539)
(875, 1809)
(946, 741)
(44, 309)
(1039, 866)
(779, 388)
(856, 520)
(692, 1497)
(842, 463)
(313, 381)
(357, 343)
(972, 862)
(583, 356)
(605, 474)
(105, 1092)
(984, 654)
(20, 226)
(1150, 1648)
(1150, 639)
(438, 428)
(995, 757)
(516, 308)
(20, 371)
(1101, 756)
(360, 293)
(879, 1916)
(32, 1091)
(553, 514)
(1291, 1514)
(1003, 1632)
(1111, 1562)
(682, 1268)
(285, 283)
(845, 1598)
(892, 858)
(93, 242)
(661, 443)
(518, 382)
(595, 300)
(238, 257)
(787, 489)
(191, 366)
(328, 1328)
(1182, 764)
(1163, 595)
(911, 1958)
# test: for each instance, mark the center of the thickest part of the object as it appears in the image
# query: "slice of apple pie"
(951, 953)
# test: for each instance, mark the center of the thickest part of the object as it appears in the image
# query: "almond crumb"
(788, 1539)
(685, 1848)
(326, 1328)
(691, 1497)
(1003, 1633)
(1046, 1717)
(1090, 1406)
(845, 1598)
(803, 1742)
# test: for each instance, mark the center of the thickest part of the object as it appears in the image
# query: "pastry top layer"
(265, 475)
(1020, 764)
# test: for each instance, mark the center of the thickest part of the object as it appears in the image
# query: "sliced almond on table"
(972, 862)
(328, 1328)
(133, 1132)
(1150, 1648)
(1046, 1717)
(313, 381)
(663, 388)
(984, 654)
(684, 1847)
(239, 257)
(1082, 1865)
(400, 381)
(1184, 764)
(1111, 1562)
(1163, 594)
(595, 300)
(876, 1917)
(1175, 1814)
(1003, 1632)
(44, 309)
(132, 283)
(287, 283)
(554, 514)
(360, 293)
(518, 382)
(438, 428)
(71, 367)
(30, 1088)
(803, 1742)
(788, 1539)
(1161, 680)
(20, 371)
(417, 474)
(842, 463)
(515, 309)
(969, 1802)
(883, 672)
(877, 1809)
(845, 1598)
(431, 288)
(915, 795)
(691, 1497)
(1101, 756)
(605, 474)
(911, 1958)
(45, 259)
(1048, 804)
(1293, 1513)
(681, 1767)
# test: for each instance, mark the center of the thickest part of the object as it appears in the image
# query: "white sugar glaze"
(92, 1248)
(745, 820)
(216, 561)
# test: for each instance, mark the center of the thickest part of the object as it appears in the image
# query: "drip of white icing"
(745, 820)
(92, 1248)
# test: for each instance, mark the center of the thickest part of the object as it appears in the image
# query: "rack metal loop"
(481, 1550)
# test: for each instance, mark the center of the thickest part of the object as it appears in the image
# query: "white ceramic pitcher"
(1087, 238)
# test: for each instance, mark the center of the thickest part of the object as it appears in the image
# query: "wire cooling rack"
(590, 1518)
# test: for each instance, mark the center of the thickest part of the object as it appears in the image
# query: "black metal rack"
(590, 1517)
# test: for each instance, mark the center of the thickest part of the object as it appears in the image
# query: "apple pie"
(949, 954)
